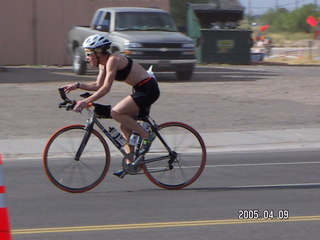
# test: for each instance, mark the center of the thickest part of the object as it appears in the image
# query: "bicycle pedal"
(120, 173)
(123, 174)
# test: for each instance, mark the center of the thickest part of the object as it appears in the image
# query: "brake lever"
(85, 95)
(71, 105)
(63, 94)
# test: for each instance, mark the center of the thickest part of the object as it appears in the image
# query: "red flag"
(312, 21)
(264, 27)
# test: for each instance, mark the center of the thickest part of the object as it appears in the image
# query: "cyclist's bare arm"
(86, 86)
(97, 84)
(104, 81)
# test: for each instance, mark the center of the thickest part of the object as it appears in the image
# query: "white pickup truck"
(147, 35)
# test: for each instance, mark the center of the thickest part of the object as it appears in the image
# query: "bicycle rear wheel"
(188, 160)
(61, 166)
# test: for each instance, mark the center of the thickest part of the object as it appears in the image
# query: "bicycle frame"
(70, 166)
(93, 120)
(89, 126)
(139, 158)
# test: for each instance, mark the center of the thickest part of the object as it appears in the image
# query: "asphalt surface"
(212, 208)
(261, 127)
(233, 107)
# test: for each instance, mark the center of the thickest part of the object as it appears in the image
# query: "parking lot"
(237, 109)
(218, 98)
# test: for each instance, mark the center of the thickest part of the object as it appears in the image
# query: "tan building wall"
(35, 32)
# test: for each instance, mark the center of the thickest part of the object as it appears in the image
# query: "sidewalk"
(220, 142)
(263, 140)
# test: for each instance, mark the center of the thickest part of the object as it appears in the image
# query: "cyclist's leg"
(126, 133)
(142, 98)
(123, 113)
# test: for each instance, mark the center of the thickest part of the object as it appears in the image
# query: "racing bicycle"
(77, 157)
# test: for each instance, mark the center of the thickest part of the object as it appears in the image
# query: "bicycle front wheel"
(72, 173)
(184, 165)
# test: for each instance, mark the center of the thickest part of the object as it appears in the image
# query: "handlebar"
(63, 94)
(67, 103)
(101, 111)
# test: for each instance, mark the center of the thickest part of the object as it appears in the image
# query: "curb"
(216, 142)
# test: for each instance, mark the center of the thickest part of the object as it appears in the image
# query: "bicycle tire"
(189, 162)
(68, 174)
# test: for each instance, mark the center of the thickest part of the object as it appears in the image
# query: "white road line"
(260, 164)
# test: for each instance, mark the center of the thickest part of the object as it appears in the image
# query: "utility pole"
(276, 4)
(250, 8)
(34, 31)
(249, 13)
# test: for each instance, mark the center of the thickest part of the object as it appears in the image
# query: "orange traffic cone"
(5, 233)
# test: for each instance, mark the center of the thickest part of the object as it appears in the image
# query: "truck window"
(106, 21)
(97, 19)
(144, 21)
(105, 24)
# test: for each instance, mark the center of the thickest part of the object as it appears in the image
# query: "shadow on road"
(219, 74)
(65, 74)
(224, 189)
(256, 188)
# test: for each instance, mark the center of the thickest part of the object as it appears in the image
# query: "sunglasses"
(89, 53)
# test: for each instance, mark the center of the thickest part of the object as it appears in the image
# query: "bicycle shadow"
(255, 188)
(279, 187)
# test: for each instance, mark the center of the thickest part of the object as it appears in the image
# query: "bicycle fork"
(88, 128)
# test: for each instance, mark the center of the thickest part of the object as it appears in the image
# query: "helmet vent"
(96, 41)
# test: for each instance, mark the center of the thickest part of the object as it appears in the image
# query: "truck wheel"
(79, 64)
(184, 75)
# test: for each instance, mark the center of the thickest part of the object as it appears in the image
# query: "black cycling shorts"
(145, 93)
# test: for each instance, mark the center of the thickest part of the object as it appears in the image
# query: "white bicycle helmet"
(96, 41)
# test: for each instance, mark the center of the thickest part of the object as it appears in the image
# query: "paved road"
(218, 99)
(272, 183)
(237, 108)
(232, 106)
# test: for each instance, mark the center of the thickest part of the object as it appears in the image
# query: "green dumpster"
(213, 29)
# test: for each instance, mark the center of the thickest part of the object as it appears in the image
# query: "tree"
(274, 17)
(295, 21)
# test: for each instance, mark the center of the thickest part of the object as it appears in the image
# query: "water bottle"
(117, 136)
(113, 132)
(134, 139)
(121, 140)
(146, 126)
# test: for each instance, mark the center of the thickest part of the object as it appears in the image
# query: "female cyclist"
(116, 67)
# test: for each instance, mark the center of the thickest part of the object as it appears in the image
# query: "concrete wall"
(35, 32)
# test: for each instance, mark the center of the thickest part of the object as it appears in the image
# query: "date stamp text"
(247, 214)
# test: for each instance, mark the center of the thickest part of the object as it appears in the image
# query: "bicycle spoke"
(188, 161)
(182, 172)
(82, 175)
(76, 175)
(71, 176)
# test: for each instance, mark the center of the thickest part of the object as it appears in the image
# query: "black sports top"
(122, 74)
